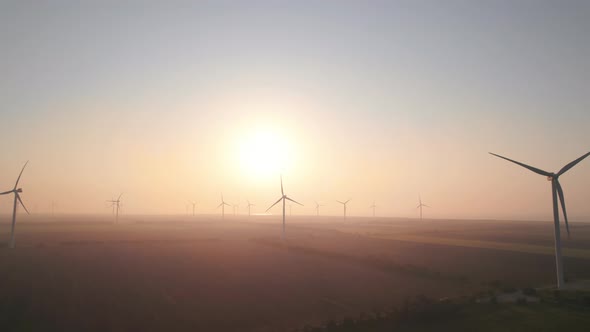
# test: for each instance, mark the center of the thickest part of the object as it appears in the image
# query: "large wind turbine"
(344, 205)
(283, 198)
(16, 191)
(373, 207)
(249, 206)
(420, 206)
(317, 208)
(116, 204)
(193, 203)
(222, 205)
(557, 192)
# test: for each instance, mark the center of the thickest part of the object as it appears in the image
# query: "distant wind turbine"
(222, 205)
(283, 198)
(317, 208)
(249, 206)
(344, 205)
(373, 207)
(116, 204)
(557, 192)
(16, 191)
(420, 206)
(193, 203)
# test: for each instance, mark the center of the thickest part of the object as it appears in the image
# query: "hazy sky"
(370, 100)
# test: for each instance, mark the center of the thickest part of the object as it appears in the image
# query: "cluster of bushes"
(417, 309)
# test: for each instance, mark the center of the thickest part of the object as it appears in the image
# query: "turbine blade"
(340, 202)
(277, 202)
(347, 201)
(6, 192)
(282, 192)
(562, 200)
(536, 170)
(19, 175)
(218, 206)
(572, 164)
(555, 206)
(21, 203)
(294, 201)
(424, 205)
(119, 198)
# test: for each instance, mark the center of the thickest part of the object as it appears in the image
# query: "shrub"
(529, 291)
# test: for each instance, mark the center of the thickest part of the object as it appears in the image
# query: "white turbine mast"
(17, 200)
(557, 193)
(283, 198)
(373, 207)
(222, 205)
(194, 204)
(317, 208)
(249, 206)
(116, 204)
(420, 206)
(344, 206)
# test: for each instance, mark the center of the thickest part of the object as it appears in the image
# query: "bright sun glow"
(265, 153)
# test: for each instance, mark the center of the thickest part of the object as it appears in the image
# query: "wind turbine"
(344, 205)
(283, 198)
(317, 208)
(193, 203)
(116, 204)
(420, 206)
(222, 205)
(16, 191)
(557, 193)
(249, 205)
(373, 207)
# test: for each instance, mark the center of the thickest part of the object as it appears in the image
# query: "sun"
(265, 153)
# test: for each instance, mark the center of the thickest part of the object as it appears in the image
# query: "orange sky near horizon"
(376, 101)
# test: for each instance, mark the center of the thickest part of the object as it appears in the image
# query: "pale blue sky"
(419, 88)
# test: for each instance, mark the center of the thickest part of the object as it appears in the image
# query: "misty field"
(205, 274)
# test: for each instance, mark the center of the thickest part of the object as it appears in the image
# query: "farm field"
(178, 273)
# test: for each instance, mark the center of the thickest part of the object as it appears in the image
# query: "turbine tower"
(420, 206)
(317, 208)
(249, 206)
(557, 193)
(283, 198)
(193, 203)
(116, 204)
(344, 205)
(222, 205)
(373, 207)
(16, 191)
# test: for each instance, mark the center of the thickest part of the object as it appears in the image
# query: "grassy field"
(186, 274)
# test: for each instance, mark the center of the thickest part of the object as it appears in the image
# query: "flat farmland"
(164, 273)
